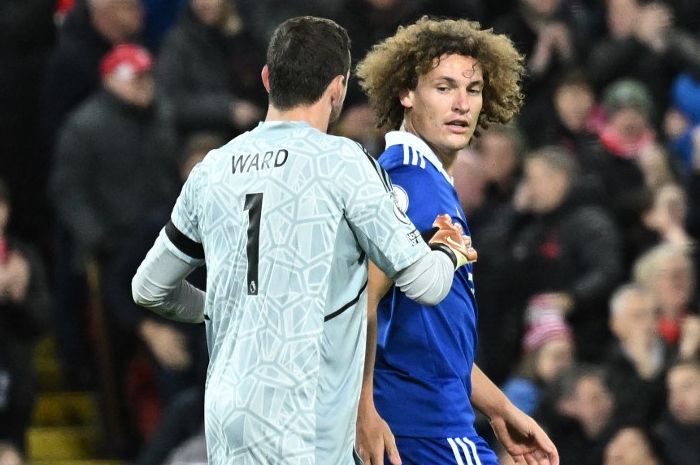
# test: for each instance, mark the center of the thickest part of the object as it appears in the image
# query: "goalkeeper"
(434, 83)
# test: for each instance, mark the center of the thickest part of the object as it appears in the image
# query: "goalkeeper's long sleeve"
(428, 280)
(159, 285)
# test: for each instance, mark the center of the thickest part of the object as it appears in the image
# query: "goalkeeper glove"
(448, 237)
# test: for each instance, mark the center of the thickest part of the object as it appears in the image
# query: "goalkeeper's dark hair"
(394, 65)
(305, 54)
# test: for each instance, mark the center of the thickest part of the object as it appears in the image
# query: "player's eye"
(442, 89)
(475, 91)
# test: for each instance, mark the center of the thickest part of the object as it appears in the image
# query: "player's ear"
(265, 75)
(337, 87)
(406, 98)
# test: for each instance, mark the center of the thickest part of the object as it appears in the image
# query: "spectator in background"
(638, 358)
(580, 414)
(469, 181)
(499, 151)
(631, 445)
(114, 160)
(668, 273)
(548, 350)
(209, 70)
(23, 317)
(497, 155)
(574, 101)
(628, 112)
(544, 31)
(90, 30)
(691, 136)
(574, 127)
(657, 167)
(627, 131)
(178, 351)
(642, 43)
(680, 429)
(564, 249)
(667, 215)
(682, 121)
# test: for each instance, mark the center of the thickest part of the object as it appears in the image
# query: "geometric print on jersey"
(273, 378)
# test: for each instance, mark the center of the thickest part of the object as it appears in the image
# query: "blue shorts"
(472, 450)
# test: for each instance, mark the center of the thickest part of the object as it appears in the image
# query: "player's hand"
(374, 438)
(523, 439)
(452, 235)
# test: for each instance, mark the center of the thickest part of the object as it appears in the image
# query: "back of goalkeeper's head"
(305, 54)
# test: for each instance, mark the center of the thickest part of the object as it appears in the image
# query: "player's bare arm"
(374, 436)
(521, 436)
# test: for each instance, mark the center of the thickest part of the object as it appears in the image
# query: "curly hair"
(395, 64)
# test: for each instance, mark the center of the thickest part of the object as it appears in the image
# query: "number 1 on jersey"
(253, 205)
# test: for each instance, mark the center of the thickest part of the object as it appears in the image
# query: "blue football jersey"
(422, 378)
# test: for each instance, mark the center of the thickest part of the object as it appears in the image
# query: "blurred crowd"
(585, 212)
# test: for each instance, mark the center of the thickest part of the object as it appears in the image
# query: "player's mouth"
(458, 126)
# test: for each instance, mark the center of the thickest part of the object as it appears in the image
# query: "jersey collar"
(415, 142)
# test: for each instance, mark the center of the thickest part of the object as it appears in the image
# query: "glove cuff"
(454, 256)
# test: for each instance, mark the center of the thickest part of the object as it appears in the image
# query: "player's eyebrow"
(448, 80)
(453, 82)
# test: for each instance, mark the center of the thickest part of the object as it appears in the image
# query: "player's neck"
(316, 115)
(447, 158)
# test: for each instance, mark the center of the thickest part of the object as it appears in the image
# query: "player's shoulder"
(350, 148)
(403, 152)
(354, 152)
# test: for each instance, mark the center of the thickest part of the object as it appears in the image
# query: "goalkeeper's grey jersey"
(287, 217)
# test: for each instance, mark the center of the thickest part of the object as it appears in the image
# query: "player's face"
(444, 107)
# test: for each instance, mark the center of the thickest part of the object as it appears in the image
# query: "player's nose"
(460, 102)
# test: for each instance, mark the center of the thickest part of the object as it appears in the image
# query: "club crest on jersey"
(400, 198)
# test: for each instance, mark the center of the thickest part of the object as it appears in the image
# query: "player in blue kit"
(435, 82)
(285, 216)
